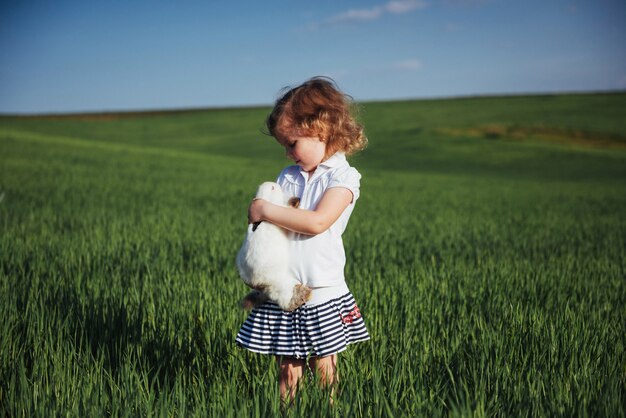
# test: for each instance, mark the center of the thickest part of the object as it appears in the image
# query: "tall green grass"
(490, 271)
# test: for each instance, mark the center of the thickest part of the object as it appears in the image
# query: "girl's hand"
(309, 222)
(256, 211)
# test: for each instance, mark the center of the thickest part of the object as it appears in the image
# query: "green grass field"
(487, 253)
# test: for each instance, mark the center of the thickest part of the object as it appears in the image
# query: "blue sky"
(67, 56)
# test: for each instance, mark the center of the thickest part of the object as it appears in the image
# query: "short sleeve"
(349, 178)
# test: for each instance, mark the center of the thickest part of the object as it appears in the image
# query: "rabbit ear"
(294, 202)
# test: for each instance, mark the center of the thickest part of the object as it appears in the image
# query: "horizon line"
(159, 111)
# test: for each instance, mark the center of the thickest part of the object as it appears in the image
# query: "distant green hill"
(506, 135)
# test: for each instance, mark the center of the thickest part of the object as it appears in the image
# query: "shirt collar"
(335, 160)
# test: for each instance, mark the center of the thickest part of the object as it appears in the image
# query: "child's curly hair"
(318, 108)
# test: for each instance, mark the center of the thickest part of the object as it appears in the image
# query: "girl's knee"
(325, 368)
(290, 369)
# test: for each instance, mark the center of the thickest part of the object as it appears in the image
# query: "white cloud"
(356, 14)
(373, 13)
(404, 6)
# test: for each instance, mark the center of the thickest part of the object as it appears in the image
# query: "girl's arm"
(310, 222)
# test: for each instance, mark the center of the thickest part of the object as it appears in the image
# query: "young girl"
(314, 124)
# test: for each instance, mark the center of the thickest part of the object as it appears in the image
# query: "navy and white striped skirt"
(309, 331)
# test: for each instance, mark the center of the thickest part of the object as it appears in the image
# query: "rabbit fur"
(263, 259)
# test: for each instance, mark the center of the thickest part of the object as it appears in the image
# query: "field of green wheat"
(487, 253)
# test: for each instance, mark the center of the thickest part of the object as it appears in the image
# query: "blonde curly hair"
(317, 108)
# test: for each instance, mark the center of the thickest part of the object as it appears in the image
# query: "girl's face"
(306, 151)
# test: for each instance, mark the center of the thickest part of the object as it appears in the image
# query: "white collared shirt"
(319, 260)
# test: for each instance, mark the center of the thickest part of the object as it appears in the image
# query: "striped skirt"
(309, 331)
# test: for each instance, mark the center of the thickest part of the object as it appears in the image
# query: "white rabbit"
(263, 260)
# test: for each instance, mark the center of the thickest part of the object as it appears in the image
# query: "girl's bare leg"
(289, 375)
(326, 369)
